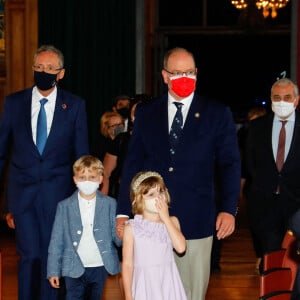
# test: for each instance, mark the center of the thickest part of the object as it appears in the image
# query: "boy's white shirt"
(88, 250)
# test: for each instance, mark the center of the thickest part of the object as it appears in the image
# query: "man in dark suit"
(273, 192)
(39, 178)
(208, 138)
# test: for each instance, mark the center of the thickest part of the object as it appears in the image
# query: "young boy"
(82, 246)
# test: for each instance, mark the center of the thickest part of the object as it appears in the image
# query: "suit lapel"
(75, 207)
(158, 128)
(59, 119)
(295, 141)
(98, 210)
(192, 121)
(268, 137)
(26, 104)
(163, 122)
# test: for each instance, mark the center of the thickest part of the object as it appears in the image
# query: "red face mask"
(183, 86)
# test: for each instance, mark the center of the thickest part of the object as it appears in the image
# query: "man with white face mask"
(274, 189)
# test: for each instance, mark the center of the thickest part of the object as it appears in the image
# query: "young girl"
(149, 269)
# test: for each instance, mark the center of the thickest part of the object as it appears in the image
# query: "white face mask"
(87, 187)
(150, 205)
(283, 109)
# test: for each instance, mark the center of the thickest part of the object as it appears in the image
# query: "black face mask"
(44, 81)
(124, 112)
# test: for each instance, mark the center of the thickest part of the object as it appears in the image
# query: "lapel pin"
(197, 115)
(64, 106)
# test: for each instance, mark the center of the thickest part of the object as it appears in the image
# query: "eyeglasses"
(178, 74)
(115, 125)
(286, 98)
(48, 69)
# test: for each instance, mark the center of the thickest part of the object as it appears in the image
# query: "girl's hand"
(162, 207)
(120, 226)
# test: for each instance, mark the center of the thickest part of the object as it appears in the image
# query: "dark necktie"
(281, 147)
(176, 127)
(41, 129)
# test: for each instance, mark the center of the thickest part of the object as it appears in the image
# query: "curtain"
(97, 39)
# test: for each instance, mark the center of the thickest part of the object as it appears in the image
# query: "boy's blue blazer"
(63, 259)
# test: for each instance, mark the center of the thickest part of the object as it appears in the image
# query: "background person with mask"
(114, 159)
(111, 124)
(273, 192)
(122, 105)
(205, 133)
(40, 169)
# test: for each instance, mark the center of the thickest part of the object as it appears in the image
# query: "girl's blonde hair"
(141, 183)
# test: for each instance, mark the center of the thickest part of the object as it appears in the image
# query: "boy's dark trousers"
(88, 286)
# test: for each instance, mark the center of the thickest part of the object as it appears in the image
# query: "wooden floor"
(238, 279)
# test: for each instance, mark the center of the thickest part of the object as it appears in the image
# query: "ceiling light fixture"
(269, 8)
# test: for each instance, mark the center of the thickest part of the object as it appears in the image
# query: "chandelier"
(269, 8)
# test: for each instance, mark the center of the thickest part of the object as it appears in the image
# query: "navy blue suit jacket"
(47, 178)
(208, 139)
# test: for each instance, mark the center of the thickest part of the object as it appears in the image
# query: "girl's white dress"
(155, 274)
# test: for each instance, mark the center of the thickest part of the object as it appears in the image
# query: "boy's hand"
(54, 281)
